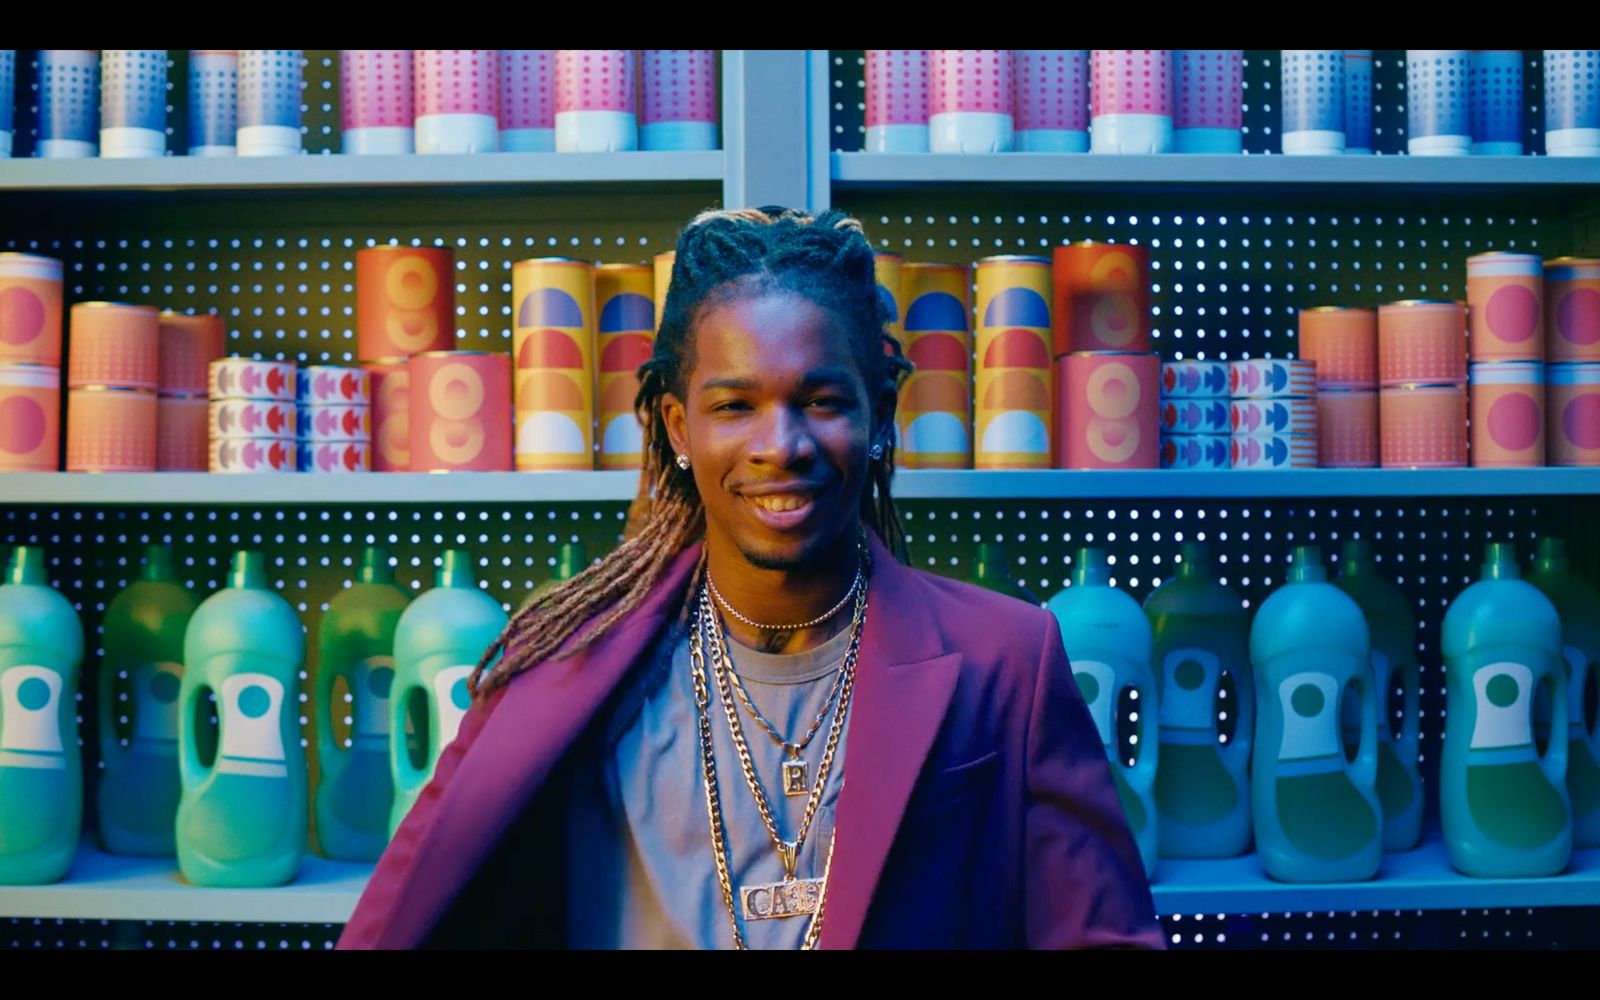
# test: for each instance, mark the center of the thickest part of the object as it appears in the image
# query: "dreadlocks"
(720, 255)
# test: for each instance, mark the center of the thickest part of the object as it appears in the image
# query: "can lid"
(1505, 372)
(1014, 258)
(933, 265)
(1424, 389)
(393, 361)
(666, 254)
(459, 354)
(643, 268)
(401, 248)
(887, 253)
(1502, 255)
(1341, 309)
(31, 376)
(1410, 303)
(1581, 373)
(45, 263)
(112, 388)
(551, 260)
(1552, 262)
(115, 305)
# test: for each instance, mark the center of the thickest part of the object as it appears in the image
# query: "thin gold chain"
(793, 749)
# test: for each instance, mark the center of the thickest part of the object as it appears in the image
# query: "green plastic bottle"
(1578, 604)
(1505, 808)
(1317, 815)
(571, 559)
(242, 817)
(992, 571)
(1201, 632)
(139, 788)
(437, 645)
(1108, 642)
(1393, 630)
(41, 765)
(355, 790)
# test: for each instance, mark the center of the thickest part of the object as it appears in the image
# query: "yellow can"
(1013, 398)
(623, 303)
(553, 341)
(934, 418)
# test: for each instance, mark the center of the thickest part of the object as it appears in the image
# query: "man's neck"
(783, 597)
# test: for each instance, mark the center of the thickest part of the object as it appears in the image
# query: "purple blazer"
(978, 809)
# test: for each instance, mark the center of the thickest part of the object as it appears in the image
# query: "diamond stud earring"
(876, 453)
(683, 462)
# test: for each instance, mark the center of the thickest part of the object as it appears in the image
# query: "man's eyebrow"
(819, 376)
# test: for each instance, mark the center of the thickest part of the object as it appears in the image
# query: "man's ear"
(676, 418)
(883, 411)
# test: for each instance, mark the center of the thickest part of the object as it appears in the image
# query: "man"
(750, 725)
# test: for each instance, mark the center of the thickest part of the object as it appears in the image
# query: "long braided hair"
(720, 255)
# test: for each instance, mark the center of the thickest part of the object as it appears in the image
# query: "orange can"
(1347, 422)
(1506, 400)
(1572, 310)
(1110, 411)
(1102, 298)
(554, 345)
(888, 266)
(30, 310)
(1012, 398)
(30, 418)
(1422, 342)
(460, 412)
(1422, 426)
(1573, 414)
(111, 429)
(391, 414)
(405, 301)
(662, 265)
(626, 339)
(113, 344)
(934, 416)
(1344, 344)
(182, 433)
(1505, 306)
(188, 345)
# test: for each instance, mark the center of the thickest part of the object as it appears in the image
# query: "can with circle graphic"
(182, 433)
(1422, 426)
(1571, 316)
(248, 378)
(1313, 100)
(188, 345)
(335, 456)
(970, 103)
(213, 104)
(1102, 298)
(1343, 342)
(133, 103)
(460, 412)
(1109, 412)
(1505, 303)
(1573, 414)
(1012, 398)
(251, 418)
(554, 341)
(1130, 101)
(252, 455)
(377, 112)
(113, 344)
(1506, 413)
(1194, 416)
(457, 95)
(30, 310)
(1272, 378)
(270, 85)
(896, 101)
(1191, 378)
(597, 100)
(333, 385)
(626, 338)
(405, 301)
(887, 266)
(1347, 428)
(111, 429)
(1195, 451)
(1052, 95)
(391, 414)
(1265, 452)
(527, 100)
(934, 418)
(334, 422)
(1422, 342)
(30, 418)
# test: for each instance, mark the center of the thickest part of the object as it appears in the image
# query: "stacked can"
(1572, 102)
(460, 411)
(457, 100)
(30, 363)
(553, 344)
(1572, 310)
(213, 102)
(626, 321)
(888, 267)
(405, 305)
(1011, 399)
(1505, 372)
(1052, 95)
(1494, 92)
(69, 103)
(1358, 101)
(270, 81)
(188, 345)
(1194, 415)
(133, 102)
(8, 88)
(662, 265)
(1438, 122)
(377, 113)
(1573, 413)
(678, 99)
(1209, 86)
(252, 416)
(1343, 344)
(527, 100)
(1314, 99)
(1131, 101)
(897, 101)
(1272, 414)
(934, 418)
(1422, 377)
(597, 101)
(334, 419)
(112, 374)
(970, 101)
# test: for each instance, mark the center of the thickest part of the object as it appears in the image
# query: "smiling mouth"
(782, 502)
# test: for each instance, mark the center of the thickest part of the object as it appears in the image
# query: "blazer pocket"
(951, 786)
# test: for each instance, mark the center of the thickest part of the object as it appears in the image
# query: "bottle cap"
(1500, 561)
(455, 569)
(157, 563)
(1357, 553)
(1196, 558)
(1552, 555)
(27, 566)
(571, 560)
(1306, 565)
(1090, 568)
(375, 566)
(249, 570)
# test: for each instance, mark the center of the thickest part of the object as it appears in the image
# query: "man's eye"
(831, 402)
(731, 404)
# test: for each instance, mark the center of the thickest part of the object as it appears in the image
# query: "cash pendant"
(795, 897)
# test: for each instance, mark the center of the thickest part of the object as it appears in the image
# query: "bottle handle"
(1410, 732)
(191, 772)
(112, 752)
(1236, 754)
(1364, 770)
(408, 780)
(1553, 762)
(1142, 774)
(328, 748)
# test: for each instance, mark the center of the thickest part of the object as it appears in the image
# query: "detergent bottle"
(992, 571)
(1578, 604)
(571, 559)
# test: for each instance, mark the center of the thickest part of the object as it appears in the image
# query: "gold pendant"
(796, 897)
(795, 780)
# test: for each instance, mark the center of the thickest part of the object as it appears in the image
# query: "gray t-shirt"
(642, 873)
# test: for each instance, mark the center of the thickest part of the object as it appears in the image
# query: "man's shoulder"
(974, 619)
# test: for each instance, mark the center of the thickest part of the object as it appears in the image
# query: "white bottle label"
(1097, 682)
(451, 695)
(1310, 704)
(250, 710)
(1504, 693)
(30, 734)
(1188, 692)
(373, 680)
(155, 706)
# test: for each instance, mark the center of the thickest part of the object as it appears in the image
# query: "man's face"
(777, 426)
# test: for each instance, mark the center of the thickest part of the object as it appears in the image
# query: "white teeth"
(781, 502)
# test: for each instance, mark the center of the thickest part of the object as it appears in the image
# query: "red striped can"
(188, 345)
(113, 344)
(1422, 342)
(1344, 345)
(182, 433)
(111, 429)
(1272, 378)
(1347, 428)
(1422, 426)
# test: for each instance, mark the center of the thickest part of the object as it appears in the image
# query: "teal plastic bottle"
(437, 645)
(139, 788)
(571, 559)
(1505, 808)
(355, 642)
(242, 817)
(1392, 627)
(41, 765)
(1578, 604)
(1317, 816)
(1108, 641)
(1201, 633)
(992, 571)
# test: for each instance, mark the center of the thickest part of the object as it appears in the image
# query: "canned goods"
(1277, 451)
(1102, 298)
(1347, 428)
(405, 301)
(554, 347)
(1191, 379)
(30, 310)
(1194, 416)
(934, 418)
(1507, 413)
(335, 423)
(113, 344)
(188, 345)
(1131, 101)
(111, 429)
(1572, 310)
(1267, 378)
(1251, 417)
(887, 266)
(1422, 426)
(1422, 342)
(1012, 401)
(335, 456)
(1573, 414)
(333, 385)
(1195, 451)
(182, 433)
(247, 378)
(460, 412)
(250, 418)
(1109, 411)
(626, 339)
(252, 455)
(970, 101)
(662, 266)
(1505, 302)
(1343, 343)
(391, 414)
(30, 418)
(896, 101)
